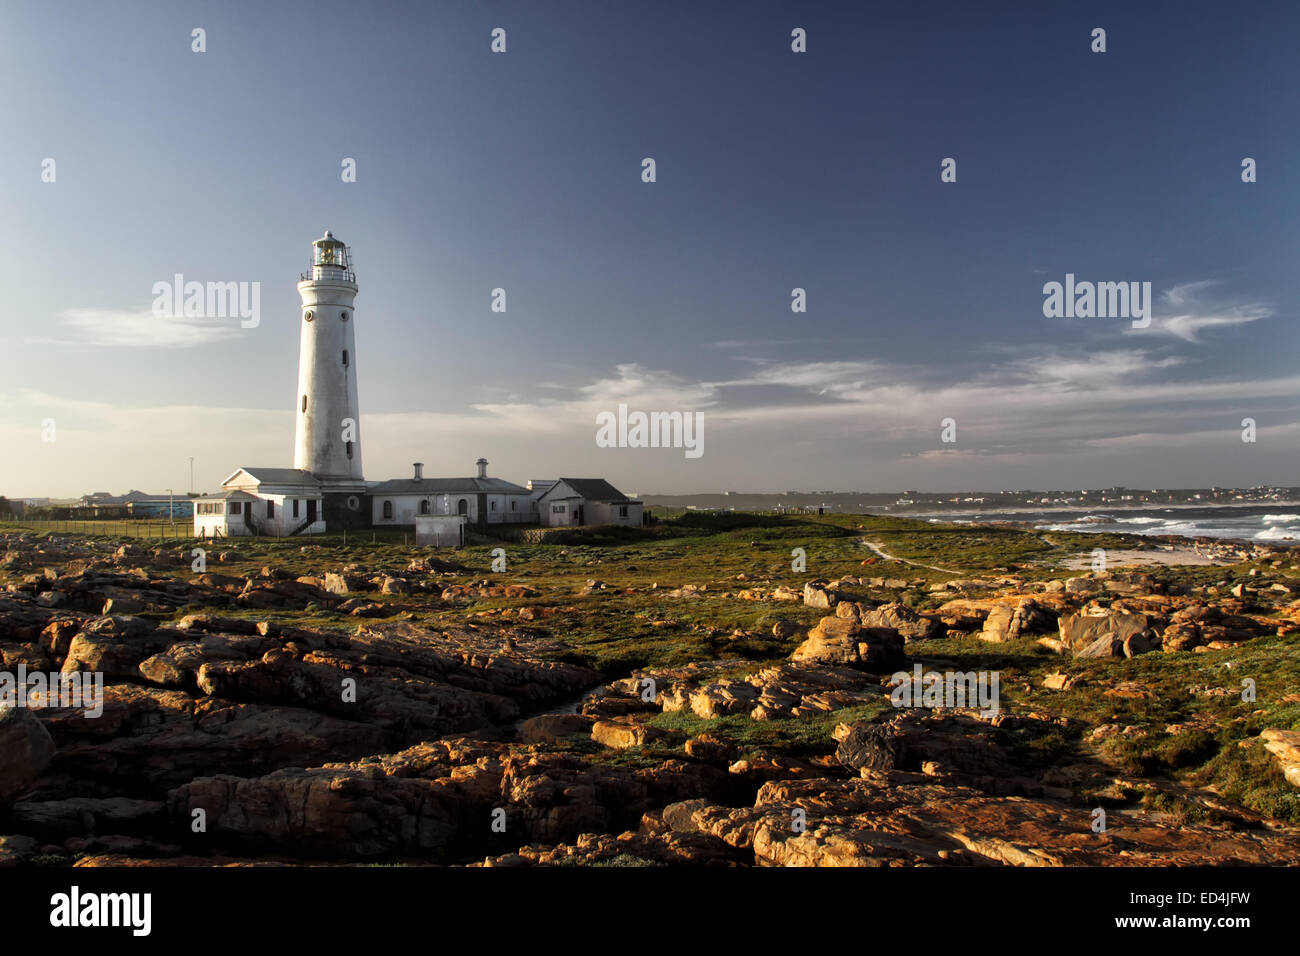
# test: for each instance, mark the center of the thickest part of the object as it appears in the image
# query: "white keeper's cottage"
(480, 500)
(263, 501)
(574, 502)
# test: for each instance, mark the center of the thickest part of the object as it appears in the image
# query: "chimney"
(482, 467)
(419, 470)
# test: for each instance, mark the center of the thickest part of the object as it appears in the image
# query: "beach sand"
(1131, 559)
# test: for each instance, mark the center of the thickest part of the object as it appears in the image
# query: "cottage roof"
(447, 486)
(277, 476)
(591, 489)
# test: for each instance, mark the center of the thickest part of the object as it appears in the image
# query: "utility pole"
(191, 476)
(171, 510)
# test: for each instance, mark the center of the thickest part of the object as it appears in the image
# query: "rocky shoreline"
(229, 736)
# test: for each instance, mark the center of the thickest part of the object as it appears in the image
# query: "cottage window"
(494, 504)
(270, 509)
(622, 511)
(295, 507)
(462, 507)
(424, 506)
(388, 509)
(234, 507)
(557, 509)
(513, 502)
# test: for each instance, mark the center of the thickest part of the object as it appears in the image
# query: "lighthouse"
(327, 440)
(325, 489)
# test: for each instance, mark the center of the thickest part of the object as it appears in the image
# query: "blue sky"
(775, 170)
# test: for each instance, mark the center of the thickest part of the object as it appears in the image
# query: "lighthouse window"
(343, 316)
(348, 446)
(307, 315)
(304, 404)
(345, 358)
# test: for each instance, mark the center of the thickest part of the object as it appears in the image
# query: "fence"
(145, 529)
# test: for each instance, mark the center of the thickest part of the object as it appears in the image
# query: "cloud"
(1047, 417)
(122, 328)
(1188, 326)
(1195, 316)
(1184, 292)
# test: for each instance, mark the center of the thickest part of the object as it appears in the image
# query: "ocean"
(1261, 523)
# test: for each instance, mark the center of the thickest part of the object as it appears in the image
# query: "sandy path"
(916, 564)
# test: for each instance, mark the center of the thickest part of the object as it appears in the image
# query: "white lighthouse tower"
(327, 441)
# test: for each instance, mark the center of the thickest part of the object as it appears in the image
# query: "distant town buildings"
(134, 504)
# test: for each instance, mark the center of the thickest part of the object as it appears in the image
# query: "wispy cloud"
(1195, 315)
(122, 328)
(1188, 326)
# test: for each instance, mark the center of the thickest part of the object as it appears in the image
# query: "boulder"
(25, 750)
(1136, 644)
(901, 618)
(871, 746)
(1108, 645)
(839, 640)
(816, 594)
(1181, 637)
(107, 650)
(784, 629)
(1006, 623)
(336, 584)
(1078, 631)
(554, 728)
(622, 734)
(1284, 745)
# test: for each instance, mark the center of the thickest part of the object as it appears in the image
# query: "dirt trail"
(889, 557)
